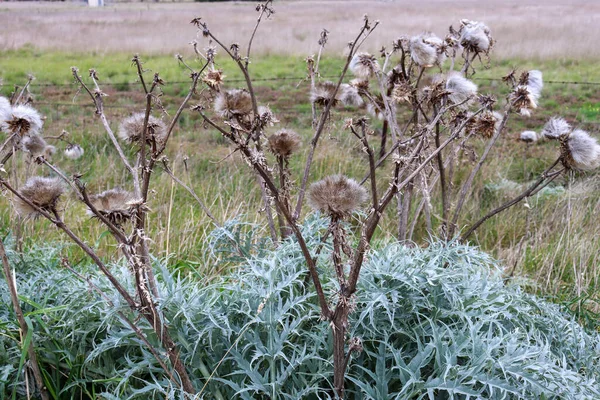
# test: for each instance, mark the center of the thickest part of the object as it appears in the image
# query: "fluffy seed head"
(36, 146)
(322, 93)
(535, 83)
(336, 195)
(131, 129)
(523, 100)
(284, 142)
(426, 50)
(555, 128)
(74, 151)
(41, 191)
(24, 120)
(114, 204)
(364, 65)
(528, 136)
(580, 151)
(459, 88)
(349, 96)
(475, 36)
(266, 116)
(233, 103)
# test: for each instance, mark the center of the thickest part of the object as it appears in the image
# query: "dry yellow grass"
(528, 28)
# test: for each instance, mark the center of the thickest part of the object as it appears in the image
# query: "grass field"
(553, 243)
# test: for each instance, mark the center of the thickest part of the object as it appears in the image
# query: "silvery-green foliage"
(436, 323)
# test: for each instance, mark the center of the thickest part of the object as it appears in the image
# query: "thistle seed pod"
(459, 88)
(336, 195)
(364, 65)
(284, 142)
(23, 120)
(523, 100)
(349, 96)
(131, 129)
(114, 204)
(475, 36)
(487, 123)
(42, 192)
(402, 92)
(580, 151)
(528, 136)
(322, 93)
(266, 116)
(214, 79)
(74, 151)
(233, 103)
(555, 128)
(427, 50)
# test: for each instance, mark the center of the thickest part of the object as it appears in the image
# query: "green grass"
(554, 250)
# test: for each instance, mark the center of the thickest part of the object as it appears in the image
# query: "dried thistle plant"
(427, 50)
(36, 146)
(23, 120)
(364, 65)
(74, 151)
(336, 195)
(214, 79)
(5, 111)
(580, 151)
(475, 37)
(117, 205)
(487, 123)
(350, 96)
(131, 129)
(324, 92)
(233, 103)
(459, 88)
(556, 128)
(528, 136)
(43, 192)
(284, 142)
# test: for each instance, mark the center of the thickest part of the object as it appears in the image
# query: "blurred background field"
(551, 244)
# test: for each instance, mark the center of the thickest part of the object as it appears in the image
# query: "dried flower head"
(364, 65)
(580, 151)
(74, 151)
(459, 88)
(360, 84)
(555, 128)
(324, 92)
(402, 92)
(266, 116)
(131, 129)
(349, 96)
(24, 120)
(36, 146)
(427, 50)
(114, 204)
(475, 36)
(284, 142)
(214, 79)
(523, 100)
(42, 192)
(233, 103)
(528, 136)
(336, 195)
(487, 123)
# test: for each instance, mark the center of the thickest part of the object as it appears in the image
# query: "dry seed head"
(555, 128)
(114, 204)
(214, 79)
(349, 96)
(42, 192)
(487, 123)
(284, 142)
(336, 195)
(24, 120)
(233, 103)
(131, 129)
(360, 84)
(266, 116)
(36, 146)
(74, 151)
(364, 65)
(402, 92)
(528, 136)
(523, 100)
(535, 83)
(580, 151)
(475, 36)
(426, 50)
(322, 93)
(459, 88)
